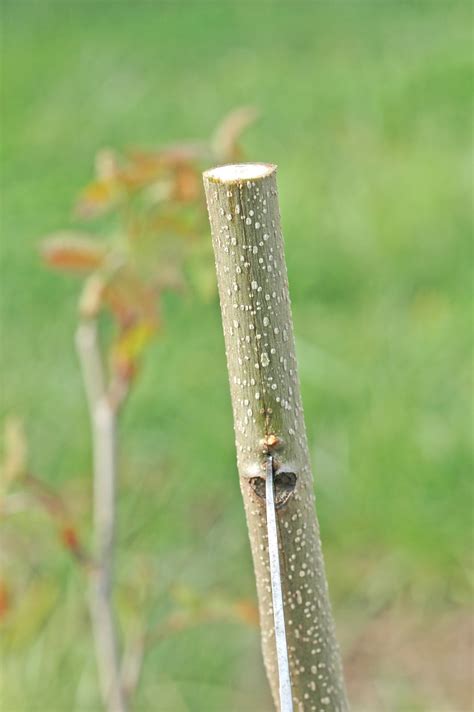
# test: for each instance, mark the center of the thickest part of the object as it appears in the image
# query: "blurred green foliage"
(366, 108)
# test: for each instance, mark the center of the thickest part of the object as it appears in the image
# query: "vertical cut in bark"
(243, 210)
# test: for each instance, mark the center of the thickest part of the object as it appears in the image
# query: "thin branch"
(132, 664)
(103, 424)
(90, 358)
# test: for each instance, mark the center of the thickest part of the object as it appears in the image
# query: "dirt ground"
(399, 661)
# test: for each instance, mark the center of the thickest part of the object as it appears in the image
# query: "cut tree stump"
(244, 215)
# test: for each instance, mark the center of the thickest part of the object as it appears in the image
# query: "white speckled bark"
(268, 418)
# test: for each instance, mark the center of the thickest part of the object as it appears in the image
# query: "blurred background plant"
(367, 110)
(156, 221)
(154, 200)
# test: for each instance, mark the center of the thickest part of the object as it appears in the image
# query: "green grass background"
(366, 108)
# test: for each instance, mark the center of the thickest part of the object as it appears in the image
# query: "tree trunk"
(268, 419)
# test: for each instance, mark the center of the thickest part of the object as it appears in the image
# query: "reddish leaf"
(173, 163)
(71, 542)
(5, 600)
(171, 156)
(130, 298)
(187, 184)
(72, 252)
(247, 611)
(69, 538)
